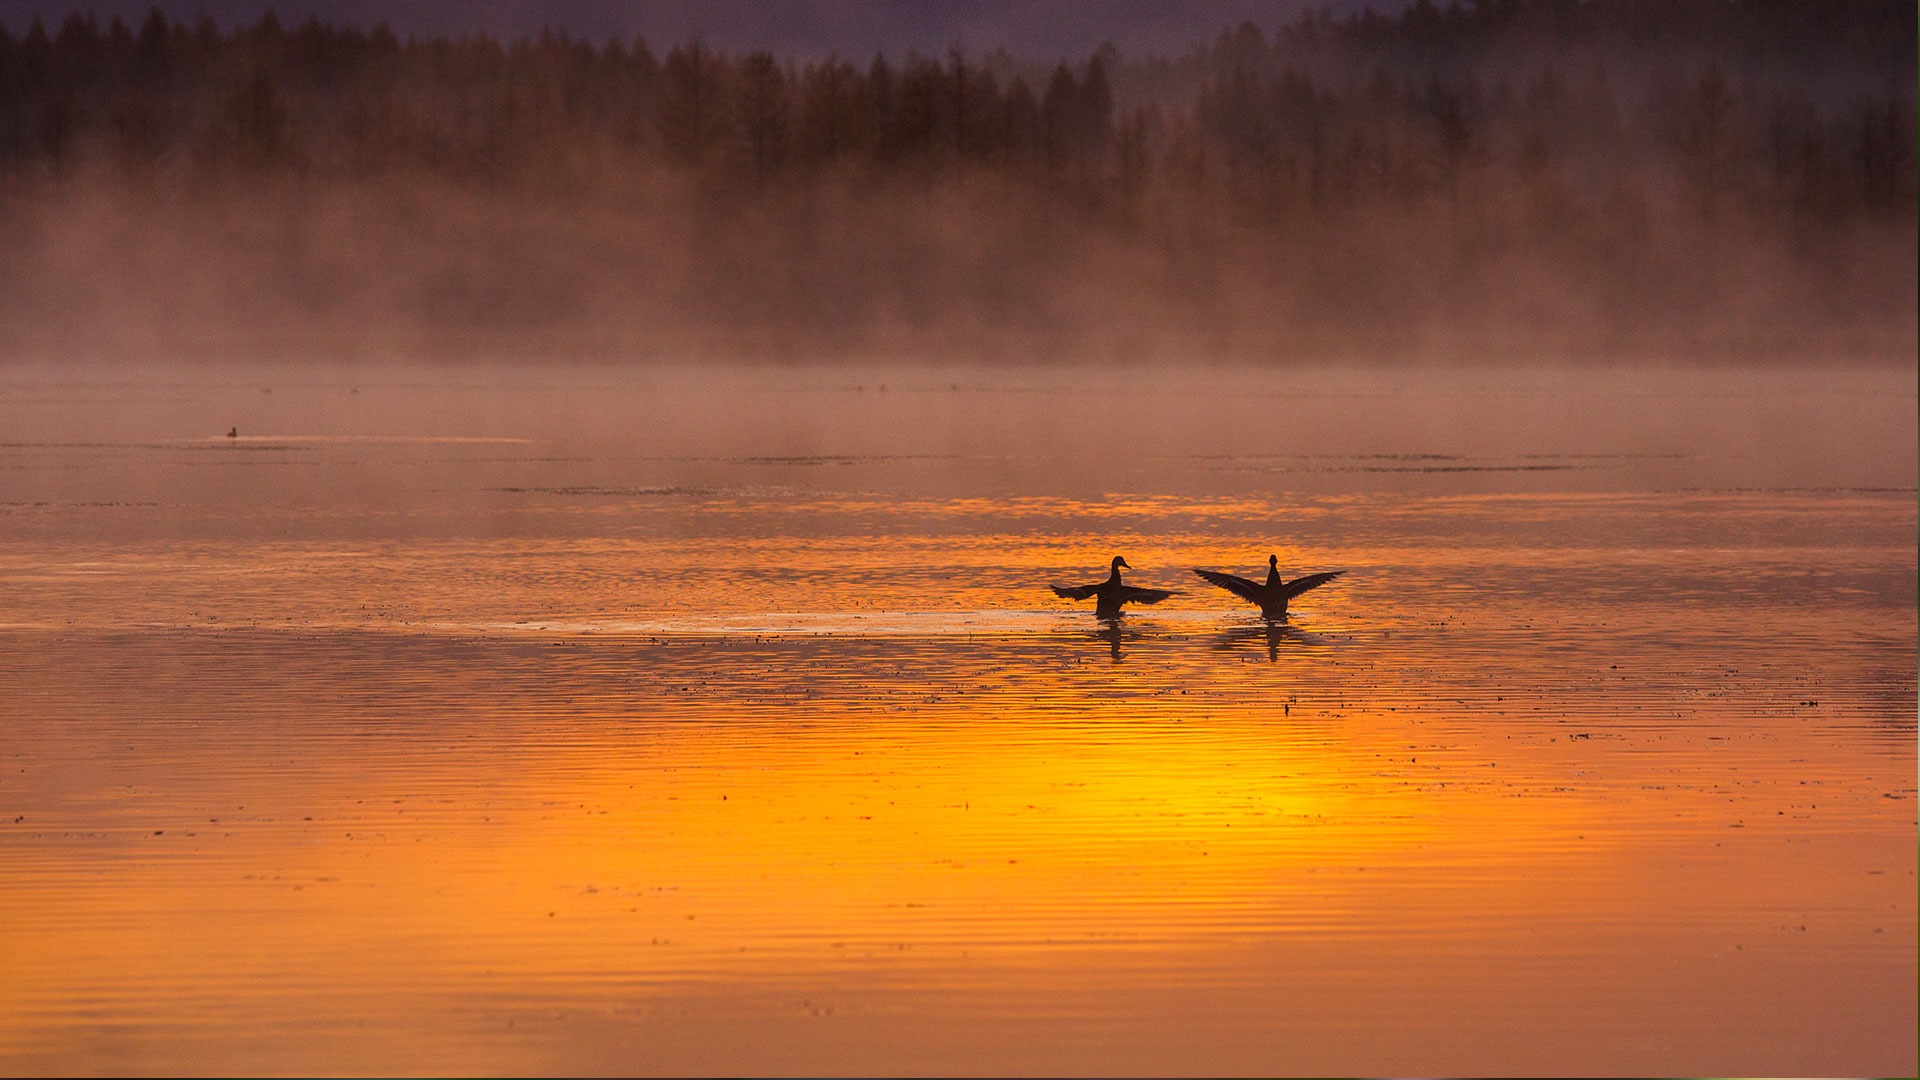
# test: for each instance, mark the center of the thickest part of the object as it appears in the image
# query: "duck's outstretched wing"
(1073, 592)
(1137, 595)
(1311, 581)
(1238, 586)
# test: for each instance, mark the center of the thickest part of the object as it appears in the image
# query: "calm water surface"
(580, 721)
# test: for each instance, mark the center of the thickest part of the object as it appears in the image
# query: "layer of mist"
(1521, 181)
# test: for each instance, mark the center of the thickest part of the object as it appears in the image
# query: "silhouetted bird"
(1274, 594)
(233, 433)
(1110, 594)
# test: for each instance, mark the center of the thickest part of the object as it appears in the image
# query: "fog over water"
(320, 433)
(973, 272)
(1670, 184)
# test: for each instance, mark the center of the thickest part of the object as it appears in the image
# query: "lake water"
(470, 720)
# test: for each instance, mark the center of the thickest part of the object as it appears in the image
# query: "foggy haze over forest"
(1525, 179)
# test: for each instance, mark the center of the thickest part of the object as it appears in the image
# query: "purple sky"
(1035, 28)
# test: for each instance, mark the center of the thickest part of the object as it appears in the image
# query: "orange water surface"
(580, 721)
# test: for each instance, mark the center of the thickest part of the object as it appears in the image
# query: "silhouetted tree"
(153, 46)
(1094, 115)
(54, 131)
(255, 130)
(1448, 108)
(1021, 124)
(1230, 110)
(836, 113)
(760, 104)
(882, 93)
(1059, 116)
(1711, 148)
(1882, 145)
(1133, 154)
(693, 102)
(964, 111)
(913, 123)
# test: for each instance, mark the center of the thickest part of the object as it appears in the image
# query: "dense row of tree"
(1607, 164)
(1802, 107)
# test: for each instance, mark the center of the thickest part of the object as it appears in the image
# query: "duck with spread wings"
(1271, 595)
(1110, 594)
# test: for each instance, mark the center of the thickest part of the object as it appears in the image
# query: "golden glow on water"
(776, 780)
(465, 851)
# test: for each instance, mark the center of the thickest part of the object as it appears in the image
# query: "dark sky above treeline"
(854, 28)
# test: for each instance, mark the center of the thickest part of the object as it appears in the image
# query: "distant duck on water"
(1110, 594)
(1273, 594)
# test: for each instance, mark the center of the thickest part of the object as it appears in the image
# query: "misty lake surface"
(586, 720)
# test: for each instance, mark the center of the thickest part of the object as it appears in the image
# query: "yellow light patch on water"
(768, 749)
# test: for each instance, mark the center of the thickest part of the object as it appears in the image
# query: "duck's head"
(1120, 563)
(1273, 562)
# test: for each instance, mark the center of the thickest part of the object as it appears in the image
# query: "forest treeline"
(1563, 174)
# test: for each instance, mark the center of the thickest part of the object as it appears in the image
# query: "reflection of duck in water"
(1272, 596)
(1270, 631)
(1110, 594)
